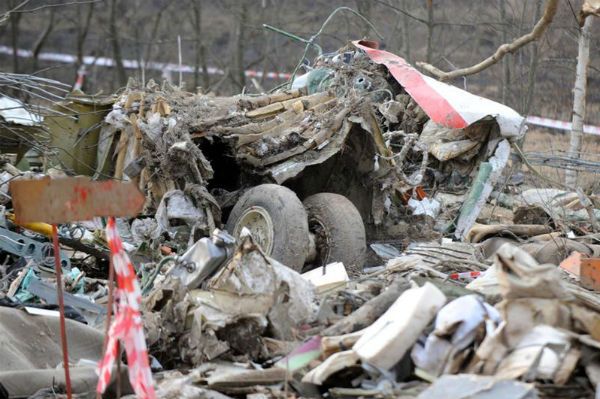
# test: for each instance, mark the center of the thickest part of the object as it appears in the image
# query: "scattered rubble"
(327, 240)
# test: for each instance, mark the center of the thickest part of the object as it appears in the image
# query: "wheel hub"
(257, 220)
(321, 241)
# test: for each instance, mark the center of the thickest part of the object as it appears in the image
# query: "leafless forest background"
(229, 35)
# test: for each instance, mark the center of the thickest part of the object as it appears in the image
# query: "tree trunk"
(199, 49)
(116, 45)
(406, 34)
(533, 64)
(42, 38)
(154, 33)
(531, 75)
(505, 60)
(238, 74)
(364, 8)
(15, 18)
(579, 92)
(430, 27)
(83, 27)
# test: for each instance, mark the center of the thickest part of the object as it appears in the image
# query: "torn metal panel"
(445, 104)
(23, 246)
(293, 167)
(47, 292)
(457, 326)
(489, 173)
(470, 386)
(15, 112)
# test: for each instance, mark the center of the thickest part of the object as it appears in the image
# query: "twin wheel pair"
(325, 228)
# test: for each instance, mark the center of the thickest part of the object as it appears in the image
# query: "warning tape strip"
(465, 275)
(560, 125)
(162, 66)
(127, 325)
(134, 64)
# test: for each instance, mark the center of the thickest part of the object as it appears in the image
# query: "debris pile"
(349, 116)
(251, 253)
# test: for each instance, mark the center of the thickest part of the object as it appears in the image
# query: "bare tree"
(535, 34)
(241, 19)
(430, 27)
(116, 44)
(406, 34)
(42, 38)
(154, 32)
(83, 28)
(15, 19)
(579, 94)
(533, 64)
(505, 60)
(365, 8)
(199, 48)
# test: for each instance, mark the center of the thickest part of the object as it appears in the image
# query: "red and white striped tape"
(135, 64)
(127, 325)
(81, 72)
(453, 106)
(443, 103)
(561, 125)
(464, 276)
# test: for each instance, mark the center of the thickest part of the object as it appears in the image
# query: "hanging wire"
(311, 41)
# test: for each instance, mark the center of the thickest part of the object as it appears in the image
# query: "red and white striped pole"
(81, 72)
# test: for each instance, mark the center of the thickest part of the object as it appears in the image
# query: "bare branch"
(538, 30)
(53, 5)
(4, 17)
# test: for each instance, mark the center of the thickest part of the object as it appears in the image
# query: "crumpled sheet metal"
(469, 386)
(15, 112)
(456, 326)
(175, 204)
(292, 167)
(536, 309)
(489, 173)
(165, 313)
(540, 352)
(445, 104)
(445, 143)
(534, 294)
(562, 206)
(250, 293)
(251, 276)
(520, 276)
(216, 309)
(543, 353)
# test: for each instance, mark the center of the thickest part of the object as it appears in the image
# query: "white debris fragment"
(426, 206)
(327, 277)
